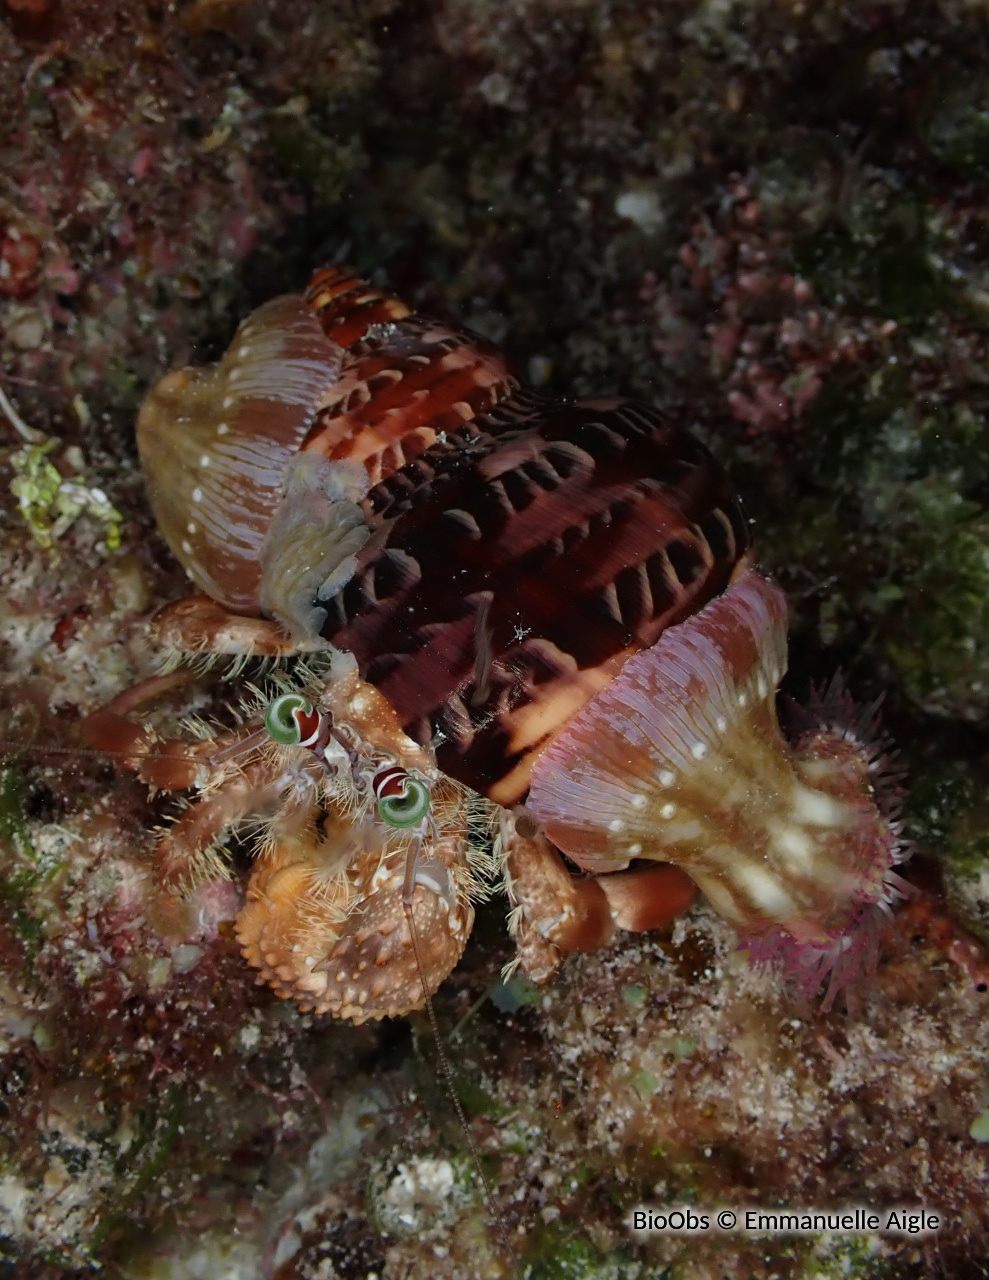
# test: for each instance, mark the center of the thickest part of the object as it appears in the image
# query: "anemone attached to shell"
(681, 759)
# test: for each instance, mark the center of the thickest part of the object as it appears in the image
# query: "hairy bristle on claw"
(325, 919)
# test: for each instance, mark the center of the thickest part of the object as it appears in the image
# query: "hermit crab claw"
(373, 970)
(326, 922)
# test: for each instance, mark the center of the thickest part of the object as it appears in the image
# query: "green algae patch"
(957, 127)
(13, 825)
(941, 648)
(645, 1084)
(51, 504)
(96, 1172)
(19, 870)
(560, 1253)
(979, 1129)
(881, 257)
(514, 994)
(144, 1162)
(947, 812)
(847, 1259)
(323, 163)
(635, 995)
(476, 1101)
(890, 521)
(679, 1047)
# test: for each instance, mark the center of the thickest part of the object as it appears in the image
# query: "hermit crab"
(518, 625)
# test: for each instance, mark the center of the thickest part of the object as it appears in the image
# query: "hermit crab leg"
(167, 764)
(236, 785)
(184, 852)
(110, 730)
(554, 911)
(558, 912)
(200, 625)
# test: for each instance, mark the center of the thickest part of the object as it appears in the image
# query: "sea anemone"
(681, 759)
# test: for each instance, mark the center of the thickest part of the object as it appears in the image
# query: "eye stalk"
(292, 721)
(403, 801)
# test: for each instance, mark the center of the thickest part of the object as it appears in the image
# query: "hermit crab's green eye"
(282, 718)
(403, 801)
(407, 811)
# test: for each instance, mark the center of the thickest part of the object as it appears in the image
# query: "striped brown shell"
(520, 562)
(500, 555)
(405, 379)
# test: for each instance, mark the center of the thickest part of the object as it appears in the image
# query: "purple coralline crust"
(770, 219)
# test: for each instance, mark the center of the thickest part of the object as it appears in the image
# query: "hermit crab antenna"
(403, 802)
(233, 751)
(444, 1061)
